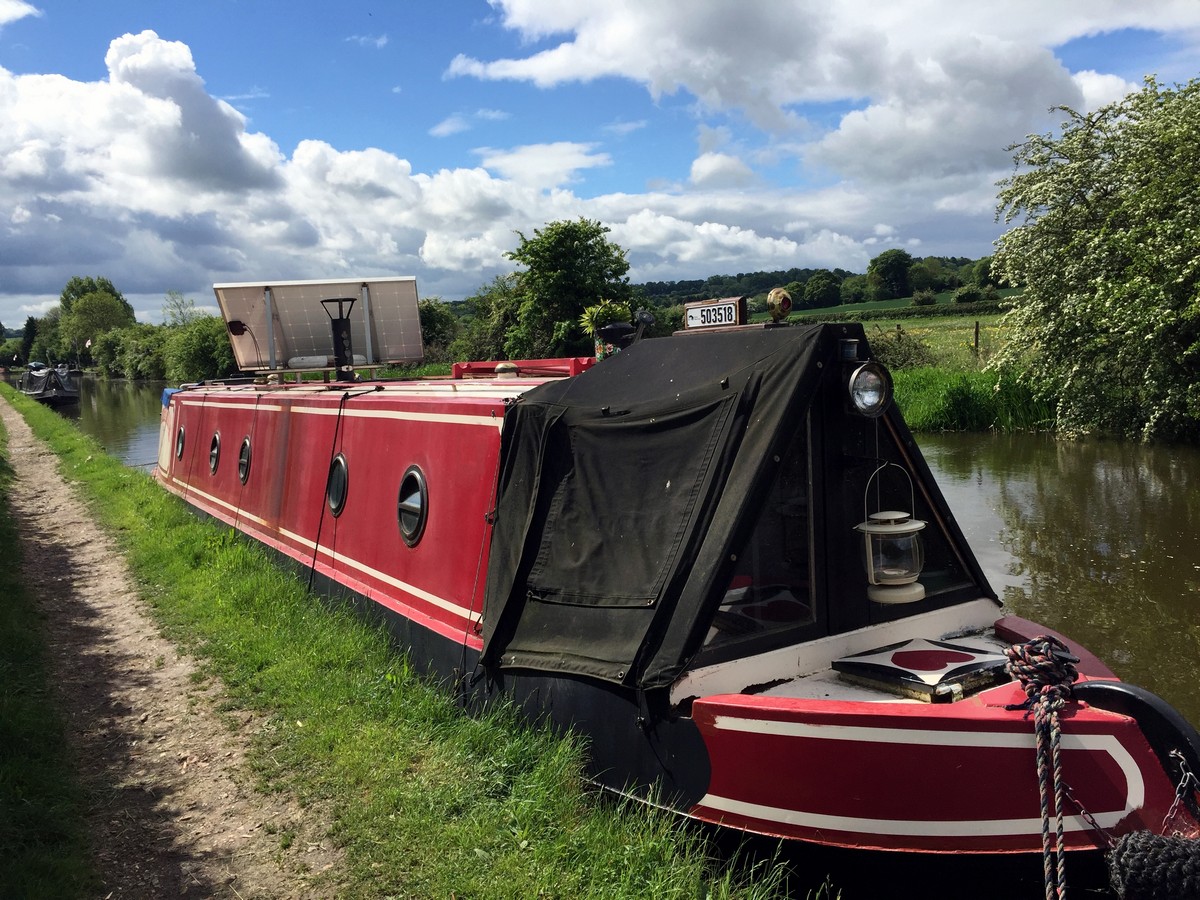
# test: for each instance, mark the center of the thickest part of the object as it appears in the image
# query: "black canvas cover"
(619, 493)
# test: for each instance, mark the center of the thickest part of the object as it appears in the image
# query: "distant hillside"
(937, 273)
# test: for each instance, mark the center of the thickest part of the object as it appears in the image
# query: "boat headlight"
(871, 389)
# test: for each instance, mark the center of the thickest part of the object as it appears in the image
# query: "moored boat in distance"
(720, 556)
(57, 386)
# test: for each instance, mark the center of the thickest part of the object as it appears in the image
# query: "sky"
(169, 146)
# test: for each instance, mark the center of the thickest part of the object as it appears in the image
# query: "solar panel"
(284, 324)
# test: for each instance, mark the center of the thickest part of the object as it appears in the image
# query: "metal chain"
(1180, 789)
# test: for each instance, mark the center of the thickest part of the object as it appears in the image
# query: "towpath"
(172, 809)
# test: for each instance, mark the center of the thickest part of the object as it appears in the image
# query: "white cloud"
(902, 114)
(450, 125)
(543, 165)
(460, 122)
(720, 170)
(1099, 89)
(378, 41)
(15, 10)
(621, 129)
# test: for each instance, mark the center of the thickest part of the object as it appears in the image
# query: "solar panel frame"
(282, 325)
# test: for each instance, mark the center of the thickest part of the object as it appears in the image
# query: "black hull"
(625, 753)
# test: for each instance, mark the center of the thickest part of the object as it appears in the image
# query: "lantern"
(892, 549)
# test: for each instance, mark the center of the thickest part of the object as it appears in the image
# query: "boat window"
(214, 453)
(244, 460)
(338, 485)
(412, 506)
(179, 443)
(856, 494)
(770, 591)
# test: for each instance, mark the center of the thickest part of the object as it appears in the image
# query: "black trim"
(1164, 728)
(337, 485)
(214, 452)
(411, 513)
(245, 457)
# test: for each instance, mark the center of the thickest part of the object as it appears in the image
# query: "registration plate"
(712, 315)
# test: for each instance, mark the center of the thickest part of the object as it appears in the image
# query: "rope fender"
(1148, 866)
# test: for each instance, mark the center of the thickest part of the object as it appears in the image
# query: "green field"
(954, 340)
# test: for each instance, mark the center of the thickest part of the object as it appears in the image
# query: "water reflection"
(122, 416)
(1093, 539)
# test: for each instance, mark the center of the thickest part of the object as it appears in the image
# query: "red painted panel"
(295, 435)
(922, 777)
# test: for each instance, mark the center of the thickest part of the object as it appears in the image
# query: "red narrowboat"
(719, 555)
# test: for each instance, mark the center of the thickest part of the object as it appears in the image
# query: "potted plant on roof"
(597, 316)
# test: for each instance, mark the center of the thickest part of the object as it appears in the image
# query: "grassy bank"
(425, 801)
(43, 852)
(952, 389)
(943, 400)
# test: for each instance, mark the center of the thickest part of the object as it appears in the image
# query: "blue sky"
(168, 146)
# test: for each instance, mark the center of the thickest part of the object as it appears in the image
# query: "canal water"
(1097, 540)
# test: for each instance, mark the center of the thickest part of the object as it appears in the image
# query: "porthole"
(214, 453)
(244, 460)
(412, 507)
(338, 485)
(179, 443)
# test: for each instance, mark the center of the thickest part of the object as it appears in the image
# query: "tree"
(10, 353)
(179, 310)
(28, 335)
(1108, 254)
(439, 327)
(569, 267)
(491, 313)
(921, 275)
(854, 289)
(888, 275)
(199, 350)
(46, 345)
(142, 352)
(91, 316)
(81, 286)
(823, 289)
(981, 272)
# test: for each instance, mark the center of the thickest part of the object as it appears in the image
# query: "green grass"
(942, 400)
(951, 338)
(425, 801)
(43, 850)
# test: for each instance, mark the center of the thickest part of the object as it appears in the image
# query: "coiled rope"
(1046, 670)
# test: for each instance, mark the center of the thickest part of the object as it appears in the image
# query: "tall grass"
(424, 800)
(935, 399)
(43, 850)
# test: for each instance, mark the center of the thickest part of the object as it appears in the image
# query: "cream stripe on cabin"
(490, 421)
(440, 602)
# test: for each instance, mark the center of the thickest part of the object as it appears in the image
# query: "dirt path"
(173, 812)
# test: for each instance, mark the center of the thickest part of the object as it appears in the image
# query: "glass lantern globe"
(894, 556)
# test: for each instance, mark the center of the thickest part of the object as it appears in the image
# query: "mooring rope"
(1046, 670)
